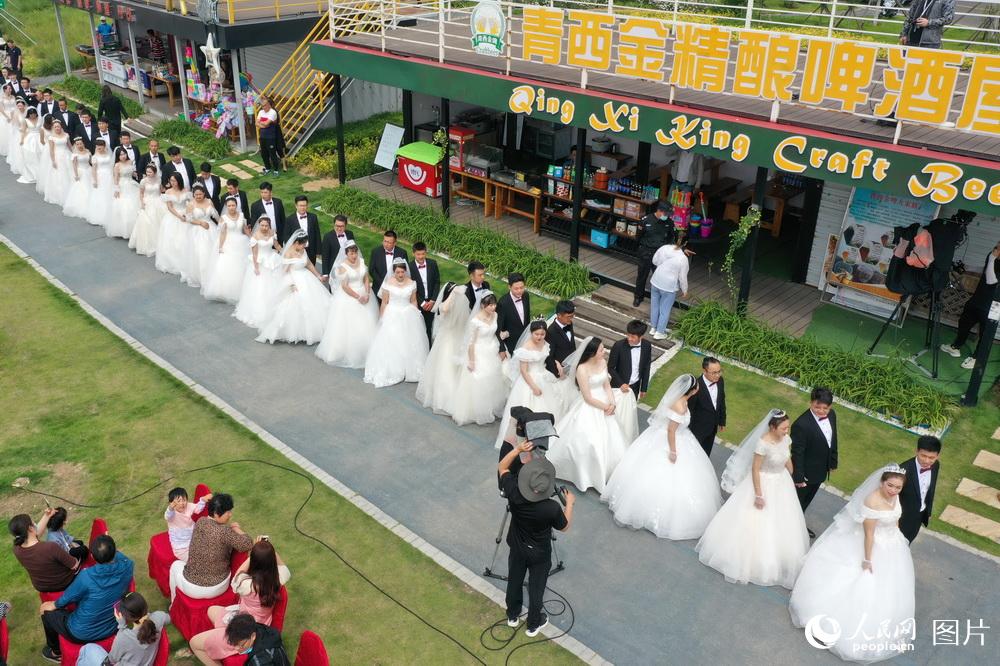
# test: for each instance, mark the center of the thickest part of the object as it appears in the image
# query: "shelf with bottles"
(626, 231)
(600, 181)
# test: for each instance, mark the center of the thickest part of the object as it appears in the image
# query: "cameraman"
(533, 515)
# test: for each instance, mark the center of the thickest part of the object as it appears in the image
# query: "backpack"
(268, 649)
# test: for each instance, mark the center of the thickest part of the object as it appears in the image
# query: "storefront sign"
(920, 84)
(103, 7)
(941, 179)
(488, 29)
(860, 260)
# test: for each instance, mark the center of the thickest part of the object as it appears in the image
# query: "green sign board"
(962, 181)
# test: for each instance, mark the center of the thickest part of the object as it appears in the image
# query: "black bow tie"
(480, 288)
(303, 217)
(822, 418)
(635, 346)
(711, 384)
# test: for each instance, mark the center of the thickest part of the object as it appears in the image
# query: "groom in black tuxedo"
(180, 165)
(302, 219)
(513, 313)
(814, 446)
(332, 242)
(477, 286)
(86, 129)
(560, 336)
(425, 273)
(917, 497)
(269, 206)
(380, 262)
(630, 359)
(708, 405)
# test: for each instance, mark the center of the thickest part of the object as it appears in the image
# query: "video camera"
(537, 428)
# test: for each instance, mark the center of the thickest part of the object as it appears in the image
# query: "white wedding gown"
(171, 247)
(124, 207)
(299, 313)
(200, 245)
(260, 290)
(399, 350)
(99, 210)
(760, 546)
(672, 500)
(223, 279)
(351, 325)
(78, 198)
(440, 376)
(833, 584)
(590, 443)
(627, 413)
(14, 140)
(31, 151)
(521, 395)
(58, 180)
(479, 394)
(8, 105)
(147, 220)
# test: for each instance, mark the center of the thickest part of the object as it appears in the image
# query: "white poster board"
(392, 137)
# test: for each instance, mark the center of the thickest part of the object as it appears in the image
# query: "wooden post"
(445, 121)
(574, 227)
(642, 163)
(135, 66)
(407, 117)
(750, 247)
(62, 38)
(241, 114)
(182, 78)
(338, 112)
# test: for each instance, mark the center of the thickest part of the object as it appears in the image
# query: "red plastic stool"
(200, 491)
(98, 528)
(70, 650)
(4, 639)
(278, 612)
(311, 652)
(190, 616)
(163, 649)
(160, 557)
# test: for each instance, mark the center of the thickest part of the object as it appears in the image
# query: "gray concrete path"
(637, 599)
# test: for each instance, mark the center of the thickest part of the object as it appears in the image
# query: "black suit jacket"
(909, 499)
(429, 291)
(169, 167)
(559, 346)
(277, 223)
(508, 320)
(312, 231)
(812, 458)
(69, 120)
(705, 417)
(376, 265)
(331, 248)
(47, 108)
(620, 365)
(216, 190)
(146, 158)
(112, 139)
(470, 292)
(88, 141)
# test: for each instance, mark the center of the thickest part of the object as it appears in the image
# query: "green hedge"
(194, 139)
(883, 387)
(89, 92)
(361, 140)
(501, 254)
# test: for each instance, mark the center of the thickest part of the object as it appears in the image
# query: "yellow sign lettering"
(784, 163)
(941, 184)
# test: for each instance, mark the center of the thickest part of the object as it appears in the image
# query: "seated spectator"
(207, 570)
(137, 640)
(55, 531)
(180, 525)
(94, 591)
(258, 583)
(260, 643)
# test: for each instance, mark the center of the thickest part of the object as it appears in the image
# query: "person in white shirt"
(916, 499)
(669, 278)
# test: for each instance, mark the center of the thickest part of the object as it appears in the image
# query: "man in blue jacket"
(95, 592)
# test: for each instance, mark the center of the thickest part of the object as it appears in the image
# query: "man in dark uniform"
(657, 231)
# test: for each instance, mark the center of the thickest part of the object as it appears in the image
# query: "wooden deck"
(786, 305)
(415, 42)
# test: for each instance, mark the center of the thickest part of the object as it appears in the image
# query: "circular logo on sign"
(822, 632)
(416, 173)
(489, 26)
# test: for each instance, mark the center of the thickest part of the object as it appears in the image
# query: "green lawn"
(45, 58)
(865, 443)
(87, 418)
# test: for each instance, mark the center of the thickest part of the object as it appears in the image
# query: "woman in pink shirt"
(258, 583)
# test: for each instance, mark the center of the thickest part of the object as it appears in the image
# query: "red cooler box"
(420, 168)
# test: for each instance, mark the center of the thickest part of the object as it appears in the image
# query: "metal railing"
(445, 29)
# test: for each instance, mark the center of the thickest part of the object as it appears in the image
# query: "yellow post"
(277, 9)
(231, 10)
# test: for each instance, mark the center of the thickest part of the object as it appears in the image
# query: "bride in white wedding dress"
(666, 484)
(759, 535)
(858, 577)
(533, 386)
(399, 350)
(300, 307)
(481, 389)
(353, 319)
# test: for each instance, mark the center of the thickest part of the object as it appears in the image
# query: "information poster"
(861, 259)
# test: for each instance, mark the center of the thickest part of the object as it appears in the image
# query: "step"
(971, 522)
(987, 460)
(584, 327)
(620, 300)
(979, 492)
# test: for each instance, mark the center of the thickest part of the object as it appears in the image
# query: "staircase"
(303, 96)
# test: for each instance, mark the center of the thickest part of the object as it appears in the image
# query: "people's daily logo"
(822, 632)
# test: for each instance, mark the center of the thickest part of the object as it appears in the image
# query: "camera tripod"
(488, 571)
(931, 338)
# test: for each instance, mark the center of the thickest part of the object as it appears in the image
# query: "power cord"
(553, 608)
(295, 524)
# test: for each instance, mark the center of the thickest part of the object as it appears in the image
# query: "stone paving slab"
(971, 522)
(979, 492)
(987, 460)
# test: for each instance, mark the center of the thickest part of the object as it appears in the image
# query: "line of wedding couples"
(858, 574)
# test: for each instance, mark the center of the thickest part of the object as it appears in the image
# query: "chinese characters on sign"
(109, 9)
(921, 85)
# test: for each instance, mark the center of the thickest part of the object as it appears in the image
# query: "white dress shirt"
(824, 425)
(422, 271)
(268, 208)
(636, 353)
(713, 391)
(671, 272)
(303, 221)
(210, 187)
(182, 172)
(389, 257)
(568, 333)
(924, 479)
(519, 306)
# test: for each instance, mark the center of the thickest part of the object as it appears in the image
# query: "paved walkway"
(636, 599)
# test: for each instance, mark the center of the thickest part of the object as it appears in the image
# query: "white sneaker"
(531, 633)
(659, 336)
(969, 363)
(951, 351)
(513, 623)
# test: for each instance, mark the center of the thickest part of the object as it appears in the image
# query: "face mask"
(247, 651)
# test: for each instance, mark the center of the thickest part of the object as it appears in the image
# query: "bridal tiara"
(894, 468)
(399, 261)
